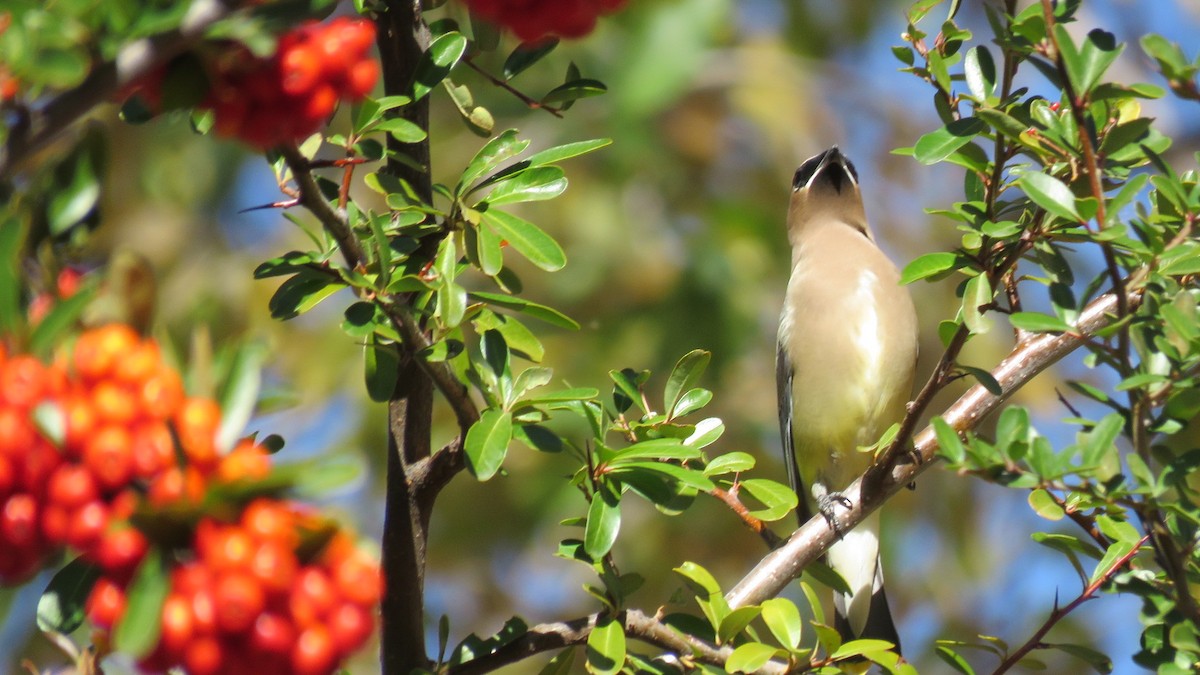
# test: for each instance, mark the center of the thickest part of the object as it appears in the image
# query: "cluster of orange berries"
(265, 102)
(533, 20)
(76, 435)
(106, 433)
(247, 603)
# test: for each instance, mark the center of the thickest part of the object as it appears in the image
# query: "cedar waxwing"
(844, 369)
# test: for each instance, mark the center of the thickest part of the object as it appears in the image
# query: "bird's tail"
(878, 625)
(864, 612)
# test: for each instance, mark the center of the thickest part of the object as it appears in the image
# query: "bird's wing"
(783, 392)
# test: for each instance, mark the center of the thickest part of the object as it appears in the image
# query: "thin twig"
(530, 102)
(333, 220)
(1059, 613)
(755, 524)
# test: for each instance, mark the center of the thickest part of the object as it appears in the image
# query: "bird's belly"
(850, 375)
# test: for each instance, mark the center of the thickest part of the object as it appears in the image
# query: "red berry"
(87, 525)
(239, 600)
(19, 521)
(177, 624)
(350, 625)
(120, 551)
(109, 456)
(272, 634)
(203, 657)
(314, 652)
(72, 486)
(105, 603)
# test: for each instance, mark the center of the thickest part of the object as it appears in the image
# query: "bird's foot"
(828, 503)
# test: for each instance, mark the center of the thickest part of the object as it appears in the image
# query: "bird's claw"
(827, 505)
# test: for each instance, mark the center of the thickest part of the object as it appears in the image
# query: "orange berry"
(361, 79)
(97, 351)
(56, 522)
(72, 486)
(204, 611)
(350, 625)
(269, 520)
(16, 432)
(203, 657)
(120, 551)
(19, 521)
(22, 381)
(161, 393)
(320, 103)
(109, 456)
(358, 580)
(87, 525)
(229, 549)
(274, 566)
(105, 603)
(196, 424)
(272, 634)
(239, 600)
(114, 403)
(177, 624)
(312, 597)
(246, 462)
(153, 449)
(301, 69)
(139, 364)
(314, 652)
(80, 422)
(176, 485)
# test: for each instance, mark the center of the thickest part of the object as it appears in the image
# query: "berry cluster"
(288, 96)
(533, 20)
(107, 433)
(246, 602)
(75, 436)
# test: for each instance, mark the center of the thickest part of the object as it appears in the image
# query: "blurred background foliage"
(675, 240)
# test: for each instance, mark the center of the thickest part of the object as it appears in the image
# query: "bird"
(846, 357)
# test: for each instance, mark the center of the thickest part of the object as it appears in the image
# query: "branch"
(133, 62)
(778, 568)
(333, 220)
(1059, 613)
(450, 387)
(758, 526)
(549, 636)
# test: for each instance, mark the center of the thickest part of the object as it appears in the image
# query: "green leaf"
(701, 581)
(12, 238)
(1118, 530)
(691, 401)
(53, 329)
(437, 62)
(495, 151)
(733, 462)
(381, 368)
(939, 144)
(860, 647)
(573, 91)
(749, 658)
(684, 376)
(827, 576)
(954, 660)
(656, 448)
(239, 395)
(75, 196)
(603, 524)
(1051, 194)
(984, 378)
(1115, 552)
(980, 71)
(301, 293)
(401, 130)
(606, 647)
(319, 477)
(561, 663)
(976, 295)
(548, 314)
(707, 431)
(139, 627)
(1044, 505)
(567, 151)
(950, 444)
(487, 443)
(527, 239)
(61, 607)
(1035, 322)
(536, 184)
(736, 621)
(1002, 122)
(1098, 442)
(1086, 65)
(778, 500)
(929, 265)
(783, 620)
(1097, 660)
(526, 54)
